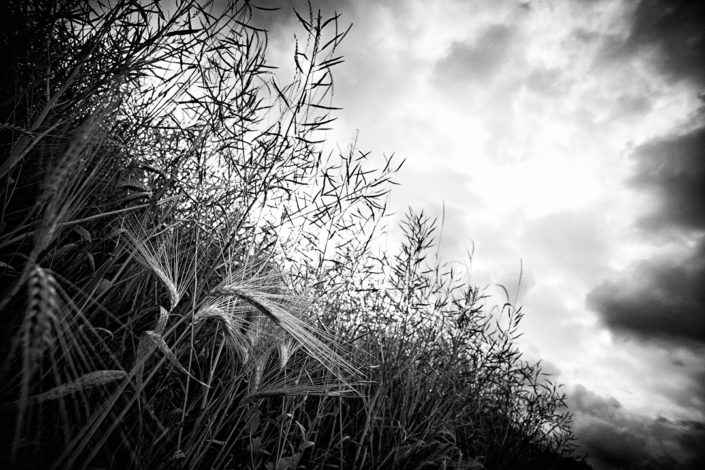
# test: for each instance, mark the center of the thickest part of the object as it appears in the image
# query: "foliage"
(189, 281)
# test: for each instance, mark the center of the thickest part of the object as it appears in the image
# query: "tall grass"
(189, 281)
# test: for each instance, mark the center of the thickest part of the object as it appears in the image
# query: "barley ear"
(84, 382)
(163, 318)
(36, 333)
(143, 350)
(39, 317)
(158, 341)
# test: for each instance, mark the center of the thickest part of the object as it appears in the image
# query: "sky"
(565, 137)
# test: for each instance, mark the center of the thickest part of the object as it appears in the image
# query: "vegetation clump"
(190, 281)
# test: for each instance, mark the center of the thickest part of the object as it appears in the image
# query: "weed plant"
(189, 281)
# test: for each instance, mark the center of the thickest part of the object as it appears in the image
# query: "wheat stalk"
(84, 382)
(36, 333)
(40, 315)
(6, 126)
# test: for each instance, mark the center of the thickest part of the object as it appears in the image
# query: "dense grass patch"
(190, 280)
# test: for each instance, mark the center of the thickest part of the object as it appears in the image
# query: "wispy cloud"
(480, 60)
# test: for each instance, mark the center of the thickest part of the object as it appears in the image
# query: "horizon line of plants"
(191, 280)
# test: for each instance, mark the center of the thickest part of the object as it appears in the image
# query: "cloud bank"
(659, 300)
(656, 299)
(616, 439)
(673, 32)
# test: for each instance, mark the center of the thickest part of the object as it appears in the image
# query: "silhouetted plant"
(190, 281)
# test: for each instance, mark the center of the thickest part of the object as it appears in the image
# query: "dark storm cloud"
(656, 300)
(664, 298)
(614, 438)
(480, 60)
(660, 299)
(676, 30)
(669, 32)
(674, 168)
(689, 393)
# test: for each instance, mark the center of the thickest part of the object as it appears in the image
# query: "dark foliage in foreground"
(189, 281)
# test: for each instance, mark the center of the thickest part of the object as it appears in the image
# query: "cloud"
(674, 169)
(674, 30)
(615, 438)
(656, 299)
(659, 300)
(632, 105)
(547, 82)
(664, 298)
(572, 239)
(686, 388)
(480, 60)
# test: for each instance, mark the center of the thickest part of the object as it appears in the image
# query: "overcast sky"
(568, 135)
